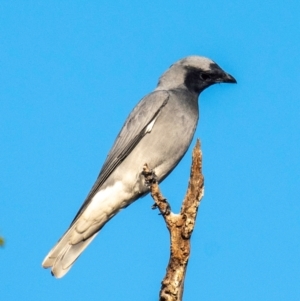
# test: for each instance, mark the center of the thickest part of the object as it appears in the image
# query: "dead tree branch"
(179, 225)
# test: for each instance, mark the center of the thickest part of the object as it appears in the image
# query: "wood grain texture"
(180, 226)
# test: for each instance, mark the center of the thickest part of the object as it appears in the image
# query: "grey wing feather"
(134, 129)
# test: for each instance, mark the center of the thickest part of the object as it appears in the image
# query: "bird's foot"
(154, 206)
(166, 210)
(150, 176)
(164, 207)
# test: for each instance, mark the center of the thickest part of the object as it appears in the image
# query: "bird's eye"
(205, 76)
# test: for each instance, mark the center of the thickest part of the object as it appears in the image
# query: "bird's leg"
(152, 184)
(150, 178)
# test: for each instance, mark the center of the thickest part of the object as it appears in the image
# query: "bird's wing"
(138, 124)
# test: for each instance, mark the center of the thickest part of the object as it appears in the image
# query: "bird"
(158, 132)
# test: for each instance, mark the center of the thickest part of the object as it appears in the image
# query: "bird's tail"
(63, 255)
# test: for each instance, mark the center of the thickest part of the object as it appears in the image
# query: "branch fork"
(180, 225)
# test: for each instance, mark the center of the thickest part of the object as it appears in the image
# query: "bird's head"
(195, 73)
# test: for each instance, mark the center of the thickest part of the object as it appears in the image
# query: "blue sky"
(70, 73)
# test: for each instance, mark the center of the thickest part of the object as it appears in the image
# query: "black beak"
(227, 78)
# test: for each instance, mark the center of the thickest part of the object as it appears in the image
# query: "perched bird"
(158, 132)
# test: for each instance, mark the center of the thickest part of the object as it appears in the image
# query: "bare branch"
(179, 225)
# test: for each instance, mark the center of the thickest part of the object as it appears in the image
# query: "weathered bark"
(179, 225)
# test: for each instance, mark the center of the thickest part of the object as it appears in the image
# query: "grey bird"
(158, 132)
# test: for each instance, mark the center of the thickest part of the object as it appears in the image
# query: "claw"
(154, 206)
(167, 211)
